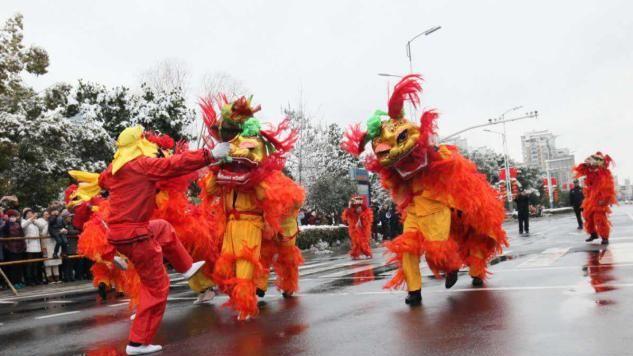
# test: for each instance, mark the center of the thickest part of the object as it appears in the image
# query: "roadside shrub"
(312, 234)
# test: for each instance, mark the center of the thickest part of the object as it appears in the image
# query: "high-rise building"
(539, 151)
(538, 146)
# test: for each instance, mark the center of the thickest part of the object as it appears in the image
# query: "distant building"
(626, 191)
(539, 151)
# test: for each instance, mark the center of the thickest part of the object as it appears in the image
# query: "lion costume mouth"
(408, 165)
(237, 172)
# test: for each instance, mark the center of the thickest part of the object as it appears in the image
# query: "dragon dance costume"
(254, 202)
(451, 214)
(599, 192)
(359, 219)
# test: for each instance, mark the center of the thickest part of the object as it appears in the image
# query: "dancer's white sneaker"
(133, 316)
(206, 296)
(195, 267)
(142, 350)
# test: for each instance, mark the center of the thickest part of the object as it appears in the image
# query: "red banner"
(553, 181)
(513, 173)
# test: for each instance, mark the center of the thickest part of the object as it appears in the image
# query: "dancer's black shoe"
(451, 279)
(592, 237)
(260, 292)
(478, 282)
(414, 298)
(103, 291)
(605, 241)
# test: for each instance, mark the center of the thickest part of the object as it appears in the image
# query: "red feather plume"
(406, 89)
(163, 141)
(354, 140)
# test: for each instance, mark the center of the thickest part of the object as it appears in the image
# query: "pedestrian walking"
(523, 209)
(575, 198)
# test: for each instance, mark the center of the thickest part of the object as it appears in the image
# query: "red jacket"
(133, 190)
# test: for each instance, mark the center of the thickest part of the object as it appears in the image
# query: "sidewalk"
(47, 291)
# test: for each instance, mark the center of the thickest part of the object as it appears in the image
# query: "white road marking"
(56, 315)
(545, 258)
(460, 290)
(333, 267)
(180, 298)
(60, 301)
(117, 304)
(620, 253)
(7, 302)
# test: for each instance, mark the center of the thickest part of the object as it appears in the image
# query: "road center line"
(56, 315)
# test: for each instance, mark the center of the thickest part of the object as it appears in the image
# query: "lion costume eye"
(402, 137)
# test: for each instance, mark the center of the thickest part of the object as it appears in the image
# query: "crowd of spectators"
(387, 224)
(42, 242)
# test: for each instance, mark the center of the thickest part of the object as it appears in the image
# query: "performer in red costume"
(359, 219)
(599, 191)
(131, 180)
(451, 214)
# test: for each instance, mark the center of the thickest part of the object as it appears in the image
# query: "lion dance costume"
(359, 219)
(599, 191)
(189, 221)
(254, 202)
(451, 214)
(132, 230)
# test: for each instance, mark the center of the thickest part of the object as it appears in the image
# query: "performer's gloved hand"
(221, 150)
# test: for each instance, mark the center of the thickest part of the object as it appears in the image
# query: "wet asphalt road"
(551, 294)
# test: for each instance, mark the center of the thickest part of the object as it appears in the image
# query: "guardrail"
(27, 261)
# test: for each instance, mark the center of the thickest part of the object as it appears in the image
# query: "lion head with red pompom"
(599, 160)
(255, 150)
(396, 142)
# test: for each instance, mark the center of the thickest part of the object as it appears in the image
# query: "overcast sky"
(570, 60)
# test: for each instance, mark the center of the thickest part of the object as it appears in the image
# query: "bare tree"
(168, 75)
(221, 82)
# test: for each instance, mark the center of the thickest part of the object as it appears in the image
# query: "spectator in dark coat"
(575, 198)
(396, 224)
(14, 250)
(523, 208)
(71, 268)
(57, 230)
(385, 222)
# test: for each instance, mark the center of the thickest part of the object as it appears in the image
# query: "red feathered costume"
(451, 214)
(131, 180)
(255, 203)
(599, 192)
(359, 219)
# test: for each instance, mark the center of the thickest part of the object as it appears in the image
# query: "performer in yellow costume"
(255, 202)
(451, 214)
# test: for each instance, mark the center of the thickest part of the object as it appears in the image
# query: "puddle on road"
(354, 278)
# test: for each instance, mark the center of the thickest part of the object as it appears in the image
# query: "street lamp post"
(387, 75)
(506, 164)
(549, 184)
(505, 149)
(425, 33)
(491, 122)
